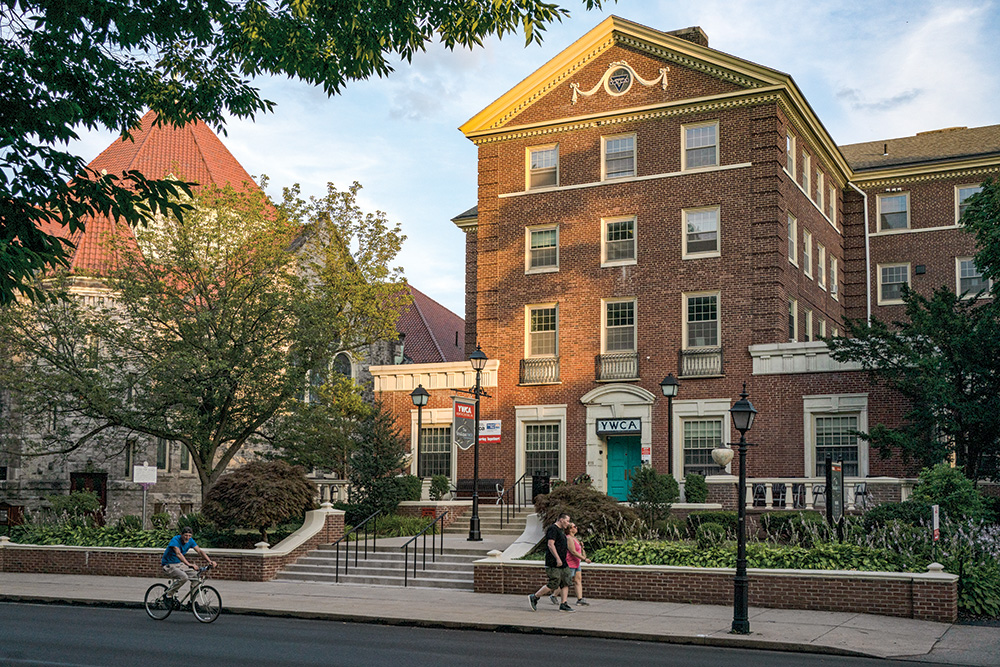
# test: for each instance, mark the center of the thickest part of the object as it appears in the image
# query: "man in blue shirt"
(174, 560)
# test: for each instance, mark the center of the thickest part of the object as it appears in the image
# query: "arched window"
(342, 365)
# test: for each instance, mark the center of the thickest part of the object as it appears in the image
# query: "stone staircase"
(451, 569)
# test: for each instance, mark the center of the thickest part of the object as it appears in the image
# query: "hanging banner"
(463, 422)
(489, 431)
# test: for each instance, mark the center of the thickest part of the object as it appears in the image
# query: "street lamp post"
(743, 414)
(670, 386)
(419, 397)
(478, 360)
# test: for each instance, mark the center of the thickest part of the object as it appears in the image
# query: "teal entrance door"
(624, 456)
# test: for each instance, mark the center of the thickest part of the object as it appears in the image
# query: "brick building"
(650, 206)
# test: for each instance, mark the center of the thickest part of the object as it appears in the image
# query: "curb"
(746, 642)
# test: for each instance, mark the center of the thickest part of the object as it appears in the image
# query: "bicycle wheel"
(206, 604)
(158, 606)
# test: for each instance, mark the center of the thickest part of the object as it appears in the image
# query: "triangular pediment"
(617, 66)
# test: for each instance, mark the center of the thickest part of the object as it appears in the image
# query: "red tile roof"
(434, 334)
(190, 153)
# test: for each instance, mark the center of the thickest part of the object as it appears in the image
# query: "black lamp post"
(419, 397)
(478, 360)
(670, 386)
(743, 414)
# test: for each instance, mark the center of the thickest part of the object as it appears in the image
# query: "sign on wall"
(489, 431)
(144, 474)
(619, 426)
(463, 420)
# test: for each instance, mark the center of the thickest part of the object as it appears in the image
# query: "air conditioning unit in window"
(833, 289)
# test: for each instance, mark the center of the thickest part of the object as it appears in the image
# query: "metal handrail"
(406, 548)
(509, 502)
(354, 531)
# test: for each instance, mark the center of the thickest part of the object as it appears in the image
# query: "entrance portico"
(626, 434)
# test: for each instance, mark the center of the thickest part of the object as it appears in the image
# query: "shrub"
(196, 520)
(353, 513)
(598, 516)
(951, 490)
(695, 488)
(159, 521)
(710, 535)
(396, 525)
(377, 459)
(583, 478)
(652, 494)
(440, 487)
(672, 528)
(129, 522)
(991, 508)
(259, 495)
(801, 528)
(410, 487)
(909, 511)
(76, 504)
(725, 518)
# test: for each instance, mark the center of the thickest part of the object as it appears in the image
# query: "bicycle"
(205, 601)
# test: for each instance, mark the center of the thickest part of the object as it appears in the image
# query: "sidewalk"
(788, 630)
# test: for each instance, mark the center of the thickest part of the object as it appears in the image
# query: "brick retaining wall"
(322, 526)
(929, 596)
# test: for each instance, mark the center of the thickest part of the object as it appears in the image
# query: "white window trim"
(604, 241)
(958, 202)
(790, 156)
(604, 324)
(958, 279)
(539, 414)
(793, 312)
(820, 191)
(879, 267)
(698, 409)
(718, 233)
(878, 211)
(821, 266)
(834, 280)
(527, 330)
(793, 255)
(684, 319)
(831, 404)
(604, 156)
(831, 204)
(807, 175)
(528, 269)
(432, 417)
(527, 167)
(718, 142)
(807, 254)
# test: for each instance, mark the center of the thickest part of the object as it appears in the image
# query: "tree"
(378, 459)
(982, 219)
(259, 495)
(652, 494)
(211, 329)
(944, 357)
(99, 64)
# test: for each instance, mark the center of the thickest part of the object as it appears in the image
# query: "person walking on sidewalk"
(575, 553)
(556, 569)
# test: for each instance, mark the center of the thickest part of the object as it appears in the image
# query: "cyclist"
(174, 560)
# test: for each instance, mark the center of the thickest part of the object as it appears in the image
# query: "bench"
(488, 488)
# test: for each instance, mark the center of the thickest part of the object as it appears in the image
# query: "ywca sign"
(463, 420)
(619, 426)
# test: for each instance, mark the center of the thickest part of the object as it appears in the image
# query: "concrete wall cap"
(495, 553)
(4, 540)
(262, 546)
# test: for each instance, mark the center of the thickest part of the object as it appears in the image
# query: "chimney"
(693, 34)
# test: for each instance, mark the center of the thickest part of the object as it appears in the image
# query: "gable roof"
(190, 153)
(433, 333)
(926, 147)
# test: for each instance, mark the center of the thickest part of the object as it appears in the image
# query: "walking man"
(556, 568)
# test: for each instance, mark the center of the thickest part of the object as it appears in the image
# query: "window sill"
(617, 380)
(548, 269)
(537, 384)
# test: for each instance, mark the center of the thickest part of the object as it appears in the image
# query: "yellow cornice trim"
(927, 172)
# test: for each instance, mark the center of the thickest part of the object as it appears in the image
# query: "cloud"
(856, 99)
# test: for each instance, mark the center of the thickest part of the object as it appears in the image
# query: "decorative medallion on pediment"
(618, 80)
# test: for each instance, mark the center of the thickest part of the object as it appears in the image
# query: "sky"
(870, 70)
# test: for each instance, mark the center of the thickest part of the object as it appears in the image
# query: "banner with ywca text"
(463, 422)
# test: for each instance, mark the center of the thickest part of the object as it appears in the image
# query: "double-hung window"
(962, 194)
(541, 448)
(543, 167)
(619, 156)
(435, 451)
(891, 278)
(820, 189)
(793, 320)
(807, 260)
(618, 241)
(836, 438)
(701, 320)
(700, 437)
(619, 326)
(700, 145)
(793, 240)
(894, 211)
(831, 205)
(543, 330)
(806, 175)
(701, 232)
(969, 278)
(821, 266)
(834, 281)
(790, 155)
(543, 249)
(809, 325)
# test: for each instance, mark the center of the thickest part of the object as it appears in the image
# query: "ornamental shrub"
(159, 521)
(652, 494)
(802, 528)
(196, 520)
(951, 490)
(725, 518)
(598, 516)
(76, 507)
(440, 487)
(129, 522)
(909, 512)
(410, 487)
(710, 535)
(695, 488)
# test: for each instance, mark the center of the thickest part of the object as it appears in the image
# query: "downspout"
(868, 254)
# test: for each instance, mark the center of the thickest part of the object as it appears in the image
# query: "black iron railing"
(406, 547)
(701, 362)
(540, 371)
(512, 500)
(370, 525)
(618, 366)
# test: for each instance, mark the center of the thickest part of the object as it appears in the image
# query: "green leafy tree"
(260, 494)
(944, 357)
(952, 491)
(209, 331)
(652, 494)
(378, 459)
(68, 65)
(982, 219)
